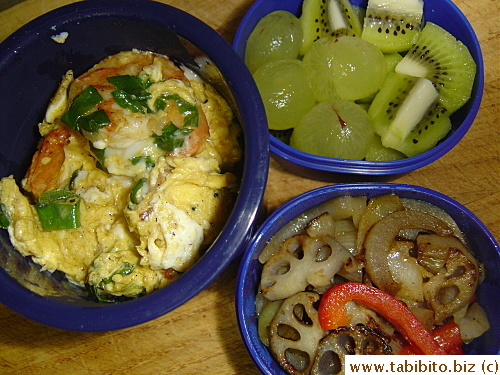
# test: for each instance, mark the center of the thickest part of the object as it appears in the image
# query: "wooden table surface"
(202, 337)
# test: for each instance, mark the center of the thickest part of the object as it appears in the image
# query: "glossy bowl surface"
(481, 241)
(327, 169)
(31, 67)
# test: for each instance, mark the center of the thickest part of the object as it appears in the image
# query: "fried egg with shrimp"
(133, 179)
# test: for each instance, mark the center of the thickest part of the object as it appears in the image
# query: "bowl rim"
(303, 160)
(293, 208)
(236, 233)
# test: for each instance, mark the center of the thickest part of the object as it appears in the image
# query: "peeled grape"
(277, 36)
(338, 129)
(346, 68)
(285, 92)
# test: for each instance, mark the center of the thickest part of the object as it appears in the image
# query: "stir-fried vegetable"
(332, 313)
(405, 283)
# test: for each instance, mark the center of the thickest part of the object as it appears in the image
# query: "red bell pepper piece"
(332, 313)
(447, 336)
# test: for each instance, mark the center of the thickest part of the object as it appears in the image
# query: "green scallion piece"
(131, 92)
(188, 110)
(88, 99)
(58, 210)
(94, 121)
(148, 160)
(4, 216)
(171, 137)
(136, 192)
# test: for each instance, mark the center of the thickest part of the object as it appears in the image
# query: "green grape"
(285, 92)
(338, 129)
(277, 36)
(346, 68)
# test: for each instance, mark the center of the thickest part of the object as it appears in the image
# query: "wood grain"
(202, 337)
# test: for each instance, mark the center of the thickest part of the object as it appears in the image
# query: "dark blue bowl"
(31, 67)
(328, 169)
(481, 241)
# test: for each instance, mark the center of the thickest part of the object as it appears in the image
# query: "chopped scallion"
(88, 99)
(4, 216)
(58, 210)
(171, 137)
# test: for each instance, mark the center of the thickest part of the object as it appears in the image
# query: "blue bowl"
(31, 67)
(481, 241)
(328, 169)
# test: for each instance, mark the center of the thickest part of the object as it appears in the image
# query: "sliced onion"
(426, 316)
(416, 204)
(346, 234)
(406, 271)
(382, 234)
(323, 225)
(377, 208)
(474, 323)
(347, 207)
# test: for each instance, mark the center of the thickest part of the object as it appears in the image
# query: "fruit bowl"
(330, 169)
(32, 64)
(485, 246)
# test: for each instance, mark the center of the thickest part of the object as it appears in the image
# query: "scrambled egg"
(153, 178)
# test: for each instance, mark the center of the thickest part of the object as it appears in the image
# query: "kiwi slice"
(393, 25)
(322, 18)
(314, 20)
(378, 152)
(343, 19)
(407, 114)
(429, 131)
(445, 61)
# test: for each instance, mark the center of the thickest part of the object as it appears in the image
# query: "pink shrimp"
(127, 127)
(46, 166)
(193, 143)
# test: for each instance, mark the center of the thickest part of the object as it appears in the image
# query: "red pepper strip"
(447, 336)
(332, 313)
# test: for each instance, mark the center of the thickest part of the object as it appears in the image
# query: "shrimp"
(46, 166)
(129, 129)
(192, 145)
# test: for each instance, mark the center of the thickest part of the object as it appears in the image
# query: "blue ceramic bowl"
(328, 169)
(481, 241)
(31, 66)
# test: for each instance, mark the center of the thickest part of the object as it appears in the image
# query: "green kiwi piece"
(407, 115)
(342, 18)
(378, 152)
(314, 21)
(393, 25)
(429, 131)
(440, 57)
(386, 103)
